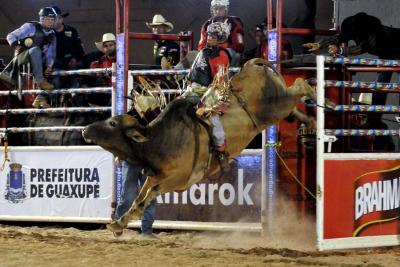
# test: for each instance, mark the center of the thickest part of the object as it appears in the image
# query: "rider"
(208, 62)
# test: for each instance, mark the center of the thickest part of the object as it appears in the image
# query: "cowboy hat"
(107, 37)
(158, 19)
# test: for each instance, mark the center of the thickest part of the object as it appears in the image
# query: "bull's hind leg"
(302, 88)
(309, 121)
(119, 225)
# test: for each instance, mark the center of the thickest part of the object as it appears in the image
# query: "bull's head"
(116, 135)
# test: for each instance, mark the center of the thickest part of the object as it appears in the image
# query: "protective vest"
(40, 39)
(201, 70)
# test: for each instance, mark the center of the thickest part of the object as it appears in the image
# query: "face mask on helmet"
(47, 17)
(219, 31)
(219, 8)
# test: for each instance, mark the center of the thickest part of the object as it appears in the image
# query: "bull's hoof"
(115, 227)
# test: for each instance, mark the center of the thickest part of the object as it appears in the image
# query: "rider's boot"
(222, 157)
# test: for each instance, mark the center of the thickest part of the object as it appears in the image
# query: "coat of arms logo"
(16, 187)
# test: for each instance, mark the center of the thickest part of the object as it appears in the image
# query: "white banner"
(62, 182)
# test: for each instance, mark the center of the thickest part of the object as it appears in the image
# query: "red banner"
(362, 198)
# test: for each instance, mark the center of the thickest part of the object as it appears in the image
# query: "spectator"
(208, 62)
(31, 41)
(219, 13)
(69, 49)
(107, 46)
(164, 48)
(370, 36)
(133, 178)
(261, 49)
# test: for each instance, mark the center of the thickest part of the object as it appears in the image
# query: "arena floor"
(60, 246)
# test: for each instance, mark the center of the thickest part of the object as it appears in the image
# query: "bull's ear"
(135, 135)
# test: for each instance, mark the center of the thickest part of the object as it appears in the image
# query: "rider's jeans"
(217, 131)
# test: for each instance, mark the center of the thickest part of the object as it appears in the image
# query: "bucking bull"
(174, 149)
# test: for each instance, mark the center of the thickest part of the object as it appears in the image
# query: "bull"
(174, 148)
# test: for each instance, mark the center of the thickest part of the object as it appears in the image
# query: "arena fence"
(56, 183)
(357, 193)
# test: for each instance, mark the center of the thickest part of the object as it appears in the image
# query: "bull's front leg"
(135, 211)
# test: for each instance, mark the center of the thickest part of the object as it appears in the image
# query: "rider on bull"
(207, 64)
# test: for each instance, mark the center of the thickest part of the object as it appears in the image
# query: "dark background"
(92, 18)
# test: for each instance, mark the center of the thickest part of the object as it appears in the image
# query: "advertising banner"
(233, 197)
(62, 182)
(361, 198)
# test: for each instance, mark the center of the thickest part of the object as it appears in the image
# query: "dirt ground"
(62, 246)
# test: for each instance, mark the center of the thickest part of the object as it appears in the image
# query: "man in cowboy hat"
(108, 46)
(163, 48)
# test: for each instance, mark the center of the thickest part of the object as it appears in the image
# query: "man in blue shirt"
(133, 179)
(35, 42)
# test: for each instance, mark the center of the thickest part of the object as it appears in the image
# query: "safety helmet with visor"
(219, 31)
(219, 8)
(47, 17)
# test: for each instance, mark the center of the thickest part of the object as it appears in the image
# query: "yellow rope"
(294, 176)
(5, 153)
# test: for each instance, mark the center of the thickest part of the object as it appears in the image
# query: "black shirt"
(168, 49)
(69, 46)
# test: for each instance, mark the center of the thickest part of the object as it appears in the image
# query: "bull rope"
(290, 171)
(5, 137)
(243, 104)
(276, 146)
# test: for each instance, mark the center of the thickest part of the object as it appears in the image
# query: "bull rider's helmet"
(219, 30)
(47, 12)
